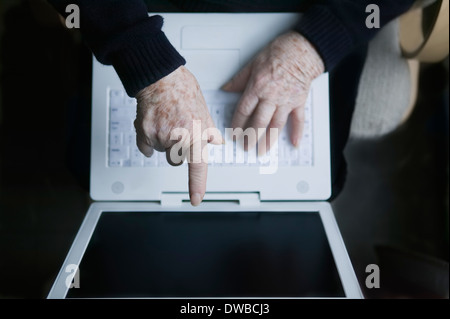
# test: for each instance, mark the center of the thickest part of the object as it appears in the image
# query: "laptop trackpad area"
(212, 53)
(208, 254)
(212, 68)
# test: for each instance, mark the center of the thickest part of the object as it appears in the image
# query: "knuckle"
(146, 125)
(267, 108)
(260, 79)
(260, 123)
(143, 141)
(243, 110)
(277, 123)
(162, 136)
(139, 125)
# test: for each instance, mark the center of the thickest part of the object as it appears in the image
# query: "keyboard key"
(122, 113)
(116, 98)
(130, 102)
(137, 158)
(211, 155)
(228, 114)
(151, 161)
(239, 154)
(162, 160)
(115, 163)
(118, 153)
(252, 157)
(129, 138)
(228, 152)
(122, 125)
(221, 97)
(263, 160)
(294, 155)
(126, 163)
(115, 139)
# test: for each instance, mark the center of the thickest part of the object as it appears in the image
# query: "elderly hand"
(275, 85)
(165, 110)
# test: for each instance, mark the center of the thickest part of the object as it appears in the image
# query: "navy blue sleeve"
(336, 27)
(120, 33)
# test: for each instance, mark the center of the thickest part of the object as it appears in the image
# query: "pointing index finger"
(197, 171)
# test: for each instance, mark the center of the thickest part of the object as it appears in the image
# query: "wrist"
(307, 59)
(167, 81)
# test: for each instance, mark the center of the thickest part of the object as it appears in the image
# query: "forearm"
(120, 33)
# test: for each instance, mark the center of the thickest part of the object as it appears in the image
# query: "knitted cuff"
(326, 33)
(147, 62)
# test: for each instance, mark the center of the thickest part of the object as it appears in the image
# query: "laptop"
(264, 228)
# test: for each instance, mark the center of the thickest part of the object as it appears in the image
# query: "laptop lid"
(216, 250)
(216, 46)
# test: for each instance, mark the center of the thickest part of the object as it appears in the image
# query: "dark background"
(393, 210)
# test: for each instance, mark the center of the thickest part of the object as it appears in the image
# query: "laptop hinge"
(244, 199)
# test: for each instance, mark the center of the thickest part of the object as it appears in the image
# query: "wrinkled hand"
(275, 85)
(164, 107)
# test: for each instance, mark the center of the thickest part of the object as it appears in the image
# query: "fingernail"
(262, 151)
(295, 143)
(196, 199)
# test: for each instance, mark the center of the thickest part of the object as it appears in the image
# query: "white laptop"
(264, 229)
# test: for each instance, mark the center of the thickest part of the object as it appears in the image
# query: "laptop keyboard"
(123, 151)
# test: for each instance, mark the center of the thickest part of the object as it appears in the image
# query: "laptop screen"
(208, 254)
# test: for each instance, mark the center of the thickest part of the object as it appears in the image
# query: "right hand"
(174, 102)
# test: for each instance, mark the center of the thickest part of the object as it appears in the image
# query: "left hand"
(275, 85)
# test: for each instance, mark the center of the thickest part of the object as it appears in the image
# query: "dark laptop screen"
(208, 254)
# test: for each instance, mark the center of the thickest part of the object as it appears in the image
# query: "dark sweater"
(120, 32)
